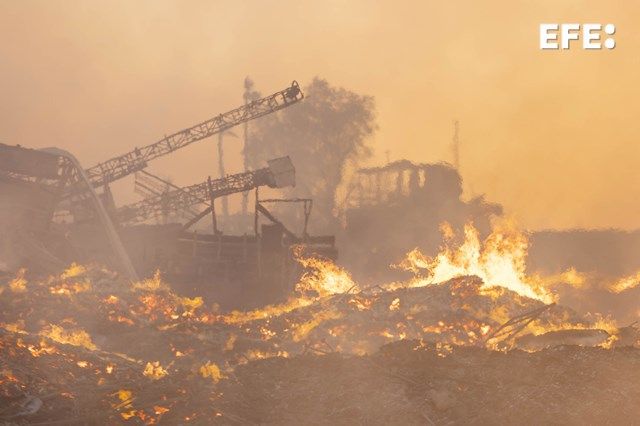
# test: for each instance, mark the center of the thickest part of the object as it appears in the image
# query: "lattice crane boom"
(279, 174)
(126, 164)
(149, 185)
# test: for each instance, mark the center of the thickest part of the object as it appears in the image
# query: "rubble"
(86, 346)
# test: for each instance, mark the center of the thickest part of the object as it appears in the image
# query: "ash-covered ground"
(87, 347)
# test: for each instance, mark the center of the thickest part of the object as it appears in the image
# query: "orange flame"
(322, 275)
(499, 261)
(626, 283)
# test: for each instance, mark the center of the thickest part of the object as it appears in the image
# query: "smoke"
(98, 79)
(390, 215)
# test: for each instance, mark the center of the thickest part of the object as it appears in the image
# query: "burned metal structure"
(106, 172)
(50, 205)
(31, 183)
(123, 165)
(406, 203)
(389, 183)
(231, 267)
(279, 174)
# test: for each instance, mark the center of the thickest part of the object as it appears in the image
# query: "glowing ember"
(19, 283)
(626, 283)
(151, 284)
(14, 327)
(212, 371)
(302, 330)
(190, 305)
(111, 300)
(253, 354)
(154, 371)
(395, 304)
(230, 343)
(159, 410)
(72, 337)
(124, 395)
(42, 349)
(69, 289)
(74, 270)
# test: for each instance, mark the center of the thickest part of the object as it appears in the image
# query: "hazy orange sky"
(549, 134)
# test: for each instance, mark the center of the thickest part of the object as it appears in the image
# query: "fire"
(19, 283)
(42, 349)
(571, 277)
(160, 410)
(69, 289)
(14, 327)
(8, 376)
(230, 343)
(154, 371)
(395, 304)
(73, 271)
(125, 398)
(598, 322)
(151, 284)
(212, 371)
(239, 317)
(361, 303)
(322, 276)
(254, 354)
(500, 260)
(77, 337)
(124, 395)
(626, 283)
(191, 304)
(327, 313)
(303, 330)
(112, 299)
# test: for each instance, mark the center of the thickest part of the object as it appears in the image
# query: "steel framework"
(119, 167)
(276, 175)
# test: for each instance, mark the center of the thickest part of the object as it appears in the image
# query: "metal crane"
(149, 185)
(118, 167)
(279, 174)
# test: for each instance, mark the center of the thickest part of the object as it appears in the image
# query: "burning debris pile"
(88, 346)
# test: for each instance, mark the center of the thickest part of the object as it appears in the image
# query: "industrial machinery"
(149, 185)
(237, 270)
(102, 174)
(279, 174)
(51, 214)
(31, 183)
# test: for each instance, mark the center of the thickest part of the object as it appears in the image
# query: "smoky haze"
(550, 135)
